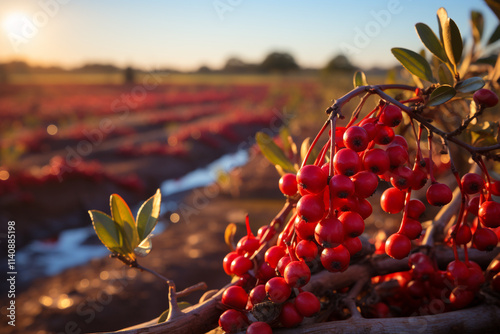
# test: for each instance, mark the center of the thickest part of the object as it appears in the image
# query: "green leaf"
(285, 138)
(470, 85)
(445, 76)
(440, 95)
(304, 148)
(147, 216)
(163, 317)
(431, 41)
(273, 153)
(477, 21)
(453, 43)
(106, 230)
(484, 134)
(442, 17)
(121, 214)
(414, 63)
(494, 6)
(495, 36)
(359, 79)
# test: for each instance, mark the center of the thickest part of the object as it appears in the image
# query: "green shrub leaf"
(445, 76)
(452, 41)
(470, 85)
(495, 36)
(431, 41)
(440, 95)
(147, 216)
(106, 230)
(442, 17)
(359, 79)
(477, 21)
(121, 214)
(273, 153)
(414, 63)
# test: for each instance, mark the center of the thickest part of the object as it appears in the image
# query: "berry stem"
(333, 126)
(314, 143)
(356, 112)
(431, 162)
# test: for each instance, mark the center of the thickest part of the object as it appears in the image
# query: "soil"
(105, 295)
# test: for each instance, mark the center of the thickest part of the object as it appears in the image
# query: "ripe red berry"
(273, 255)
(329, 232)
(419, 177)
(391, 115)
(226, 264)
(306, 250)
(353, 224)
(458, 271)
(262, 232)
(473, 206)
(364, 208)
(335, 259)
(312, 179)
(476, 277)
(485, 239)
(339, 136)
(282, 263)
(495, 282)
(353, 245)
(415, 208)
(399, 141)
(402, 178)
(460, 297)
(398, 246)
(346, 162)
(289, 316)
(311, 208)
(439, 194)
(369, 128)
(356, 138)
(494, 188)
(278, 290)
(241, 265)
(258, 294)
(265, 272)
(376, 160)
(411, 228)
(345, 204)
(232, 321)
(307, 304)
(416, 289)
(398, 155)
(392, 200)
(297, 274)
(259, 327)
(472, 183)
(304, 229)
(464, 234)
(235, 297)
(485, 97)
(383, 134)
(365, 183)
(288, 184)
(489, 214)
(341, 186)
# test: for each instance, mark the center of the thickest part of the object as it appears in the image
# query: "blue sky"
(188, 33)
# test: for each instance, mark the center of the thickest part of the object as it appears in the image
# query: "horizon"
(191, 34)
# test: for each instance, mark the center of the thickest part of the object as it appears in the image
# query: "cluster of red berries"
(426, 290)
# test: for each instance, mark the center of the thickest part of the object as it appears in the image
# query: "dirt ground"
(104, 295)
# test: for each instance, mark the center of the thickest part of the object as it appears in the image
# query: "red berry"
(341, 186)
(311, 208)
(304, 229)
(476, 278)
(402, 178)
(411, 228)
(265, 272)
(335, 259)
(439, 194)
(235, 297)
(494, 188)
(232, 321)
(415, 208)
(376, 160)
(369, 128)
(282, 263)
(356, 138)
(416, 289)
(297, 274)
(346, 162)
(307, 304)
(345, 204)
(226, 264)
(472, 183)
(278, 290)
(247, 245)
(312, 179)
(495, 282)
(241, 265)
(392, 200)
(485, 239)
(398, 246)
(288, 184)
(398, 155)
(339, 136)
(458, 271)
(485, 97)
(262, 232)
(489, 214)
(383, 134)
(353, 224)
(259, 327)
(329, 232)
(306, 250)
(353, 245)
(273, 255)
(464, 234)
(289, 316)
(391, 116)
(419, 178)
(365, 183)
(473, 206)
(258, 294)
(399, 141)
(364, 208)
(460, 297)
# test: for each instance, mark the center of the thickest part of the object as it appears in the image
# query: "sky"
(186, 34)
